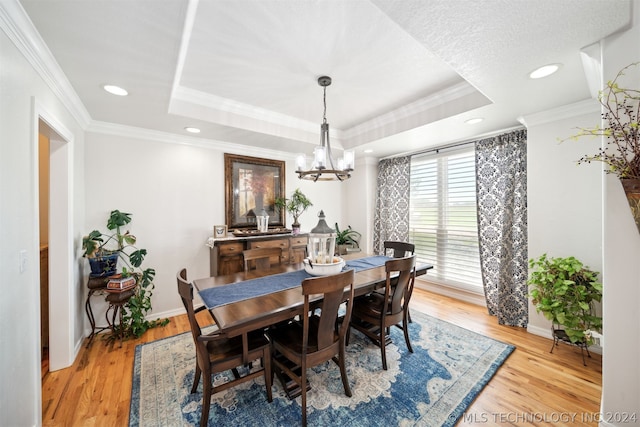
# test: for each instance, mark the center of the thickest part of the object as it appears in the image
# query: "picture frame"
(252, 184)
(219, 231)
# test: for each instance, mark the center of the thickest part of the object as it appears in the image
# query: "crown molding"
(587, 106)
(17, 25)
(230, 106)
(124, 131)
(421, 106)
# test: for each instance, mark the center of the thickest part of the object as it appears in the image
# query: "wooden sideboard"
(226, 254)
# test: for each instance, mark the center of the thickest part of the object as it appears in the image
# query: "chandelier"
(323, 167)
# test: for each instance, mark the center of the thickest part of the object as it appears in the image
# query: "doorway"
(64, 306)
(43, 199)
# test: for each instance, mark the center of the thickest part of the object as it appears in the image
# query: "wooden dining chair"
(215, 352)
(399, 249)
(261, 258)
(297, 346)
(375, 313)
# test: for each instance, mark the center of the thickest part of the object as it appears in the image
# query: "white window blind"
(443, 217)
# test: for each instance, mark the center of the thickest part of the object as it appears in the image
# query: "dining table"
(256, 299)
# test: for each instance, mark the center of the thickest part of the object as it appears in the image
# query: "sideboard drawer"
(275, 243)
(228, 249)
(299, 241)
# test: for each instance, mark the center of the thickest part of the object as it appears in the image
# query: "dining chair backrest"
(399, 292)
(261, 258)
(333, 290)
(400, 249)
(185, 290)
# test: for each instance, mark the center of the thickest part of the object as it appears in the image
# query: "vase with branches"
(621, 149)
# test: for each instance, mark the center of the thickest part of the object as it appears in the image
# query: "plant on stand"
(122, 245)
(565, 290)
(296, 205)
(621, 151)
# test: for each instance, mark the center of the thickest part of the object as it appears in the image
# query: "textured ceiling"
(406, 74)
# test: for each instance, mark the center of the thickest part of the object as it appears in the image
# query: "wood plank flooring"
(532, 388)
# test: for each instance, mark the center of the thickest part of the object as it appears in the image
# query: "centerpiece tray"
(251, 233)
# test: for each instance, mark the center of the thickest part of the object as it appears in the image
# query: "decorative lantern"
(322, 242)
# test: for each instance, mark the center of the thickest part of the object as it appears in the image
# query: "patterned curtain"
(391, 220)
(501, 182)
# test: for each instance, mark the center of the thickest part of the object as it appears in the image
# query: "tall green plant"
(564, 290)
(134, 322)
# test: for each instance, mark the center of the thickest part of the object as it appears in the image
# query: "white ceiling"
(406, 74)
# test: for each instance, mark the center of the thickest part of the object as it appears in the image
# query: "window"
(443, 218)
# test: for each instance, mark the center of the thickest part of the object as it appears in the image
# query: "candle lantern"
(262, 221)
(322, 242)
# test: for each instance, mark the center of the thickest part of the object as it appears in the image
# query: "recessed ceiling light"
(115, 90)
(368, 150)
(192, 130)
(544, 71)
(474, 120)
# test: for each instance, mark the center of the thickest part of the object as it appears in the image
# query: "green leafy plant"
(347, 236)
(564, 290)
(621, 106)
(96, 244)
(296, 205)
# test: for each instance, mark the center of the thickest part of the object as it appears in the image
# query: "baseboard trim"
(448, 291)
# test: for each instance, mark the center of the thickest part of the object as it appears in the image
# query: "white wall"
(359, 197)
(175, 191)
(21, 89)
(621, 252)
(564, 199)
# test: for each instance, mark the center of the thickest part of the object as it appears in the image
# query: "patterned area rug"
(430, 387)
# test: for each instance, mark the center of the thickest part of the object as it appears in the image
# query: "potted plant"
(621, 152)
(121, 245)
(345, 238)
(296, 205)
(565, 290)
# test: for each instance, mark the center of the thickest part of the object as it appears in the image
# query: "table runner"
(234, 292)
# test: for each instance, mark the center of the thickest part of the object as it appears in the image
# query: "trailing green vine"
(564, 290)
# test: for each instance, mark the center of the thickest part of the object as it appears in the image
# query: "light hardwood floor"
(532, 387)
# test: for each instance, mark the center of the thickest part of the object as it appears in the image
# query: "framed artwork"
(219, 231)
(252, 184)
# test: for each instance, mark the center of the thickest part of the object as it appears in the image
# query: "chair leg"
(268, 375)
(405, 328)
(196, 379)
(303, 382)
(206, 399)
(343, 373)
(406, 335)
(383, 348)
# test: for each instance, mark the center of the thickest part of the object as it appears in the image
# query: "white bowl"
(323, 269)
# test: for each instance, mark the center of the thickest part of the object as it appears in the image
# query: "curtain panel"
(501, 183)
(391, 219)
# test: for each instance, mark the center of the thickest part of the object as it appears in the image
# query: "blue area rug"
(431, 387)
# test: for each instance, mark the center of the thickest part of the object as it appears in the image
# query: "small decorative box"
(121, 284)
